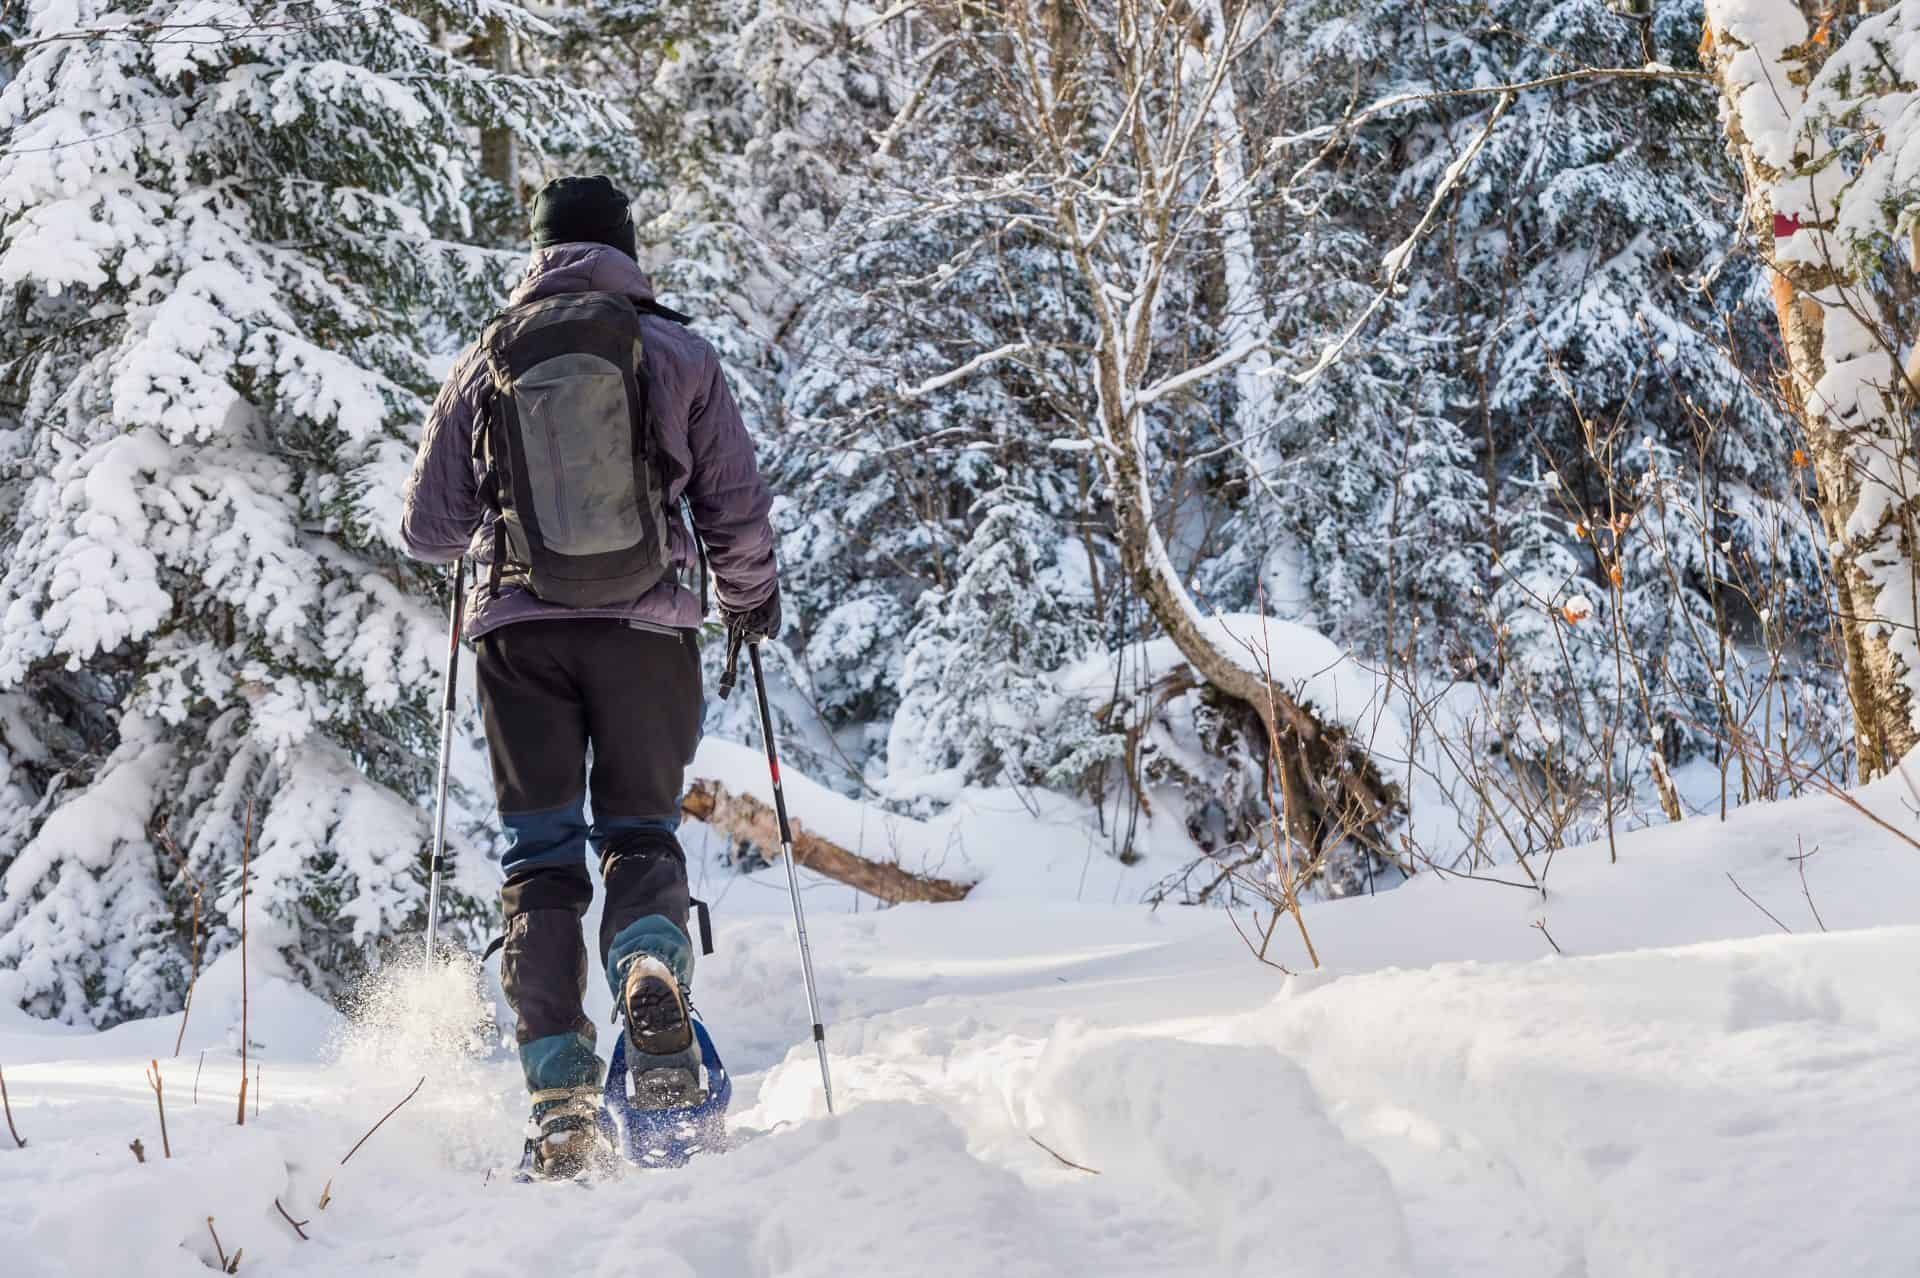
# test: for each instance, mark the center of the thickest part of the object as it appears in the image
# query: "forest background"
(1362, 439)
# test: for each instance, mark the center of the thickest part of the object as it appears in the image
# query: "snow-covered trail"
(1687, 1092)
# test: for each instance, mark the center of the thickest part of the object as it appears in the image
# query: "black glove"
(756, 623)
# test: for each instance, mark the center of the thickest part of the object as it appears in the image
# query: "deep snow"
(1687, 1091)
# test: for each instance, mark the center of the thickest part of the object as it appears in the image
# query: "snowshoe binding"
(667, 1091)
(568, 1136)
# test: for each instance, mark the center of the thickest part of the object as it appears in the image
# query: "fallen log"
(744, 817)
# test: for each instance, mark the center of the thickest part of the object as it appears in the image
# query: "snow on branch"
(1651, 71)
(1200, 372)
(1397, 257)
(951, 376)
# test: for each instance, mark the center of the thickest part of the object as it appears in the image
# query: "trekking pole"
(727, 680)
(455, 611)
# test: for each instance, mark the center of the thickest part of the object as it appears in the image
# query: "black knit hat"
(583, 209)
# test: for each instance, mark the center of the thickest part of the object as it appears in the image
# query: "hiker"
(556, 456)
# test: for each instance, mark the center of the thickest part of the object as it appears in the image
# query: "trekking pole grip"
(730, 676)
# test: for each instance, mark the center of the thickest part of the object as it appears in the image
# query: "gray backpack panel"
(572, 466)
(575, 423)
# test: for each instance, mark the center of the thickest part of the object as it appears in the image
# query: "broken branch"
(742, 816)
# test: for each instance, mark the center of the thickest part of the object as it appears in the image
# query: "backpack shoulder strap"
(486, 443)
(651, 307)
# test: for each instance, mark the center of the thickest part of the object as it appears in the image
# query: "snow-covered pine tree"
(229, 241)
(888, 465)
(1569, 315)
(978, 701)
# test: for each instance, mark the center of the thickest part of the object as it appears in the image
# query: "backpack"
(572, 465)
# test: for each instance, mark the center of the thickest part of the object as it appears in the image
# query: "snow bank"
(1686, 1091)
(1301, 661)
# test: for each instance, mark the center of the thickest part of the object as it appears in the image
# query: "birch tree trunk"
(1846, 381)
(1246, 321)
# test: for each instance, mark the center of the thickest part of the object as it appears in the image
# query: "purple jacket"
(687, 397)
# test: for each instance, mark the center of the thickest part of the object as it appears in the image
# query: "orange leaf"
(1800, 458)
(1614, 574)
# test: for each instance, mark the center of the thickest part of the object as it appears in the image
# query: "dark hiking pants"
(549, 691)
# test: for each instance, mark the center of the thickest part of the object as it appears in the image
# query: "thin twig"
(1756, 905)
(326, 1192)
(196, 1075)
(256, 1091)
(291, 1221)
(383, 1118)
(159, 1098)
(226, 1266)
(1540, 925)
(1062, 1158)
(246, 855)
(1266, 937)
(1801, 862)
(7, 1105)
(186, 1010)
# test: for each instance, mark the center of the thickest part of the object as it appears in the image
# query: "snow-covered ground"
(1687, 1091)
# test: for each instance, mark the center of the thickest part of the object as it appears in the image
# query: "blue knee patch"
(551, 836)
(656, 934)
(560, 1060)
(605, 827)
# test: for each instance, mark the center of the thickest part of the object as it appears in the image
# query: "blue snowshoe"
(667, 1092)
(648, 1133)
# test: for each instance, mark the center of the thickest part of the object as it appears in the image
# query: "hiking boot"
(663, 1055)
(564, 1136)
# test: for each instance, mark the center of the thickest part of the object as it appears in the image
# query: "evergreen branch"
(1649, 72)
(1396, 260)
(154, 33)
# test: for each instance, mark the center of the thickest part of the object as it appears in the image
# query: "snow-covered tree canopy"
(230, 242)
(1301, 310)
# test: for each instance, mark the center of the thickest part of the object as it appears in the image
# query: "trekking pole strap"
(706, 924)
